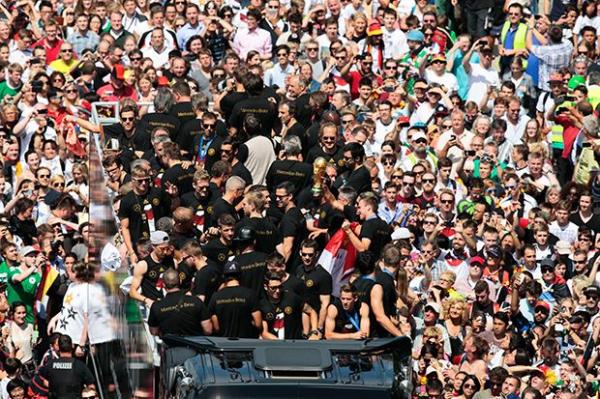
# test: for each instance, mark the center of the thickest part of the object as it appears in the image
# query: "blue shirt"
(187, 31)
(509, 40)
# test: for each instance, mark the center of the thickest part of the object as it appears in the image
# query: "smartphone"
(470, 153)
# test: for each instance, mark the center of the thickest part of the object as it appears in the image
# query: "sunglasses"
(128, 119)
(312, 49)
(66, 50)
(330, 139)
(428, 180)
(428, 222)
(447, 201)
(307, 255)
(397, 177)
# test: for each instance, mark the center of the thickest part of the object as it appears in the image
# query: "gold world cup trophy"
(319, 166)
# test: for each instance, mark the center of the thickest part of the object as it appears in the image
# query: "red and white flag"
(338, 258)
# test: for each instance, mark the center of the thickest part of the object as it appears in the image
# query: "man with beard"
(420, 151)
(293, 225)
(147, 273)
(197, 200)
(357, 175)
(318, 281)
(206, 146)
(282, 312)
(229, 153)
(267, 234)
(140, 208)
(328, 147)
(347, 317)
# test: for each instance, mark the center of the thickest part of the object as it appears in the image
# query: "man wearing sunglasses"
(419, 150)
(140, 208)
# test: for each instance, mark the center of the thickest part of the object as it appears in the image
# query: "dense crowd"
(317, 169)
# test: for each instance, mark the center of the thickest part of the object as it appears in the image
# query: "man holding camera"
(24, 279)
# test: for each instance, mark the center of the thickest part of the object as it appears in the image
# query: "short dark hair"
(65, 344)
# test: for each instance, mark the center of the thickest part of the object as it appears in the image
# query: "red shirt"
(52, 50)
(570, 133)
(109, 93)
(354, 78)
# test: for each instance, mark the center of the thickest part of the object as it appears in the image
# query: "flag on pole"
(338, 258)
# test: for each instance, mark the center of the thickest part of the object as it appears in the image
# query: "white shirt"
(90, 299)
(395, 44)
(514, 133)
(447, 80)
(479, 80)
(159, 58)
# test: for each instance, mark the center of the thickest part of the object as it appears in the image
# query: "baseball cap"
(439, 57)
(433, 306)
(159, 237)
(542, 304)
(563, 248)
(244, 234)
(419, 135)
(495, 251)
(374, 29)
(401, 233)
(415, 36)
(592, 290)
(118, 72)
(547, 263)
(478, 260)
(231, 268)
(162, 81)
(26, 250)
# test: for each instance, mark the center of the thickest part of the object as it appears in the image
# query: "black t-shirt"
(180, 177)
(241, 171)
(233, 307)
(153, 120)
(66, 377)
(253, 267)
(230, 100)
(593, 224)
(264, 110)
(267, 234)
(139, 141)
(284, 319)
(304, 112)
(207, 280)
(296, 172)
(179, 239)
(218, 208)
(134, 208)
(378, 231)
(358, 179)
(25, 229)
(151, 284)
(389, 291)
(216, 251)
(179, 314)
(293, 225)
(151, 156)
(207, 150)
(294, 284)
(317, 282)
(335, 158)
(183, 111)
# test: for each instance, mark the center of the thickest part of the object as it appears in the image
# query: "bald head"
(171, 279)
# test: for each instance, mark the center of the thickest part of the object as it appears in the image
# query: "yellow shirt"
(62, 67)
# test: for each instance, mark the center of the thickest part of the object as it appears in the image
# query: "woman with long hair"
(20, 336)
(358, 27)
(454, 315)
(470, 386)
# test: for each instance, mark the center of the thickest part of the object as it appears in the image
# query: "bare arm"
(379, 312)
(312, 315)
(257, 320)
(332, 313)
(207, 327)
(127, 239)
(138, 274)
(265, 332)
(325, 300)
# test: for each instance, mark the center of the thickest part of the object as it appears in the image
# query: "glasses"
(407, 184)
(59, 184)
(43, 176)
(282, 54)
(307, 254)
(66, 50)
(209, 125)
(428, 181)
(469, 386)
(428, 222)
(71, 91)
(141, 179)
(389, 162)
(446, 201)
(57, 80)
(343, 57)
(390, 67)
(397, 177)
(312, 49)
(367, 63)
(579, 262)
(330, 139)
(421, 141)
(130, 119)
(345, 122)
(281, 196)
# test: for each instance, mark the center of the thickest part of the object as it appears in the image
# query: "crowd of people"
(317, 169)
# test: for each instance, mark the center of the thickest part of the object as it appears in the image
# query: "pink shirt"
(257, 39)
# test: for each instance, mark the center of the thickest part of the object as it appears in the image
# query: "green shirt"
(4, 273)
(23, 291)
(6, 90)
